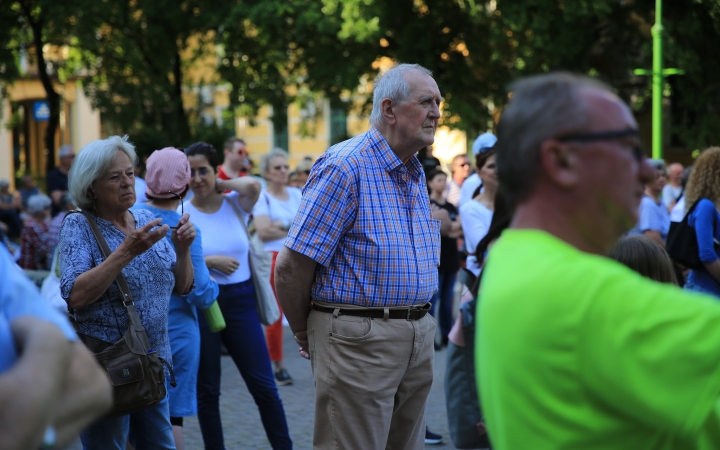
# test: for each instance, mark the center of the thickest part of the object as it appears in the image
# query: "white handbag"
(260, 266)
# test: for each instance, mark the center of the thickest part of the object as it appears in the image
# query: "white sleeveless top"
(223, 234)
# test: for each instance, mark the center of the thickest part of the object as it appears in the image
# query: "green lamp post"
(658, 76)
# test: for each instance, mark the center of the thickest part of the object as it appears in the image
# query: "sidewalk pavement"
(241, 422)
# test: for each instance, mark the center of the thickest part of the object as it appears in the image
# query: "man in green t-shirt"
(575, 351)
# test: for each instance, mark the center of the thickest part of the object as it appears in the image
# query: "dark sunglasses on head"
(606, 136)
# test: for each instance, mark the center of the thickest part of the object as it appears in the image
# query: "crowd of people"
(573, 331)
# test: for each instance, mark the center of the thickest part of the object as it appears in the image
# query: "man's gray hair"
(38, 203)
(392, 85)
(657, 164)
(94, 161)
(266, 158)
(541, 107)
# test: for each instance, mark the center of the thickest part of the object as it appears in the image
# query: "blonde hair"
(704, 180)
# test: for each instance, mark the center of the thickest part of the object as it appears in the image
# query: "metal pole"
(657, 83)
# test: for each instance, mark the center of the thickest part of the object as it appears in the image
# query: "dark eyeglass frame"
(606, 136)
(182, 208)
(204, 170)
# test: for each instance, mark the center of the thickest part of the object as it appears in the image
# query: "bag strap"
(250, 246)
(692, 208)
(120, 280)
(239, 216)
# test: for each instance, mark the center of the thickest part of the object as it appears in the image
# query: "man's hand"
(294, 275)
(302, 340)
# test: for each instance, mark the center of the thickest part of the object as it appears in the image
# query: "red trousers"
(273, 333)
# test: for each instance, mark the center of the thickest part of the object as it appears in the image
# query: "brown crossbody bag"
(134, 369)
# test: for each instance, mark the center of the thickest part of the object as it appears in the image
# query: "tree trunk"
(53, 98)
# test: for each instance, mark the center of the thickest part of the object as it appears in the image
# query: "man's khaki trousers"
(372, 378)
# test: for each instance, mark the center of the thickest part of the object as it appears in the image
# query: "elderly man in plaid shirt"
(359, 268)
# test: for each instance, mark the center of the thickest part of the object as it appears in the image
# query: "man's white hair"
(392, 85)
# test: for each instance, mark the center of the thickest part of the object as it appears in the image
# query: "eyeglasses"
(182, 207)
(606, 136)
(203, 171)
(286, 167)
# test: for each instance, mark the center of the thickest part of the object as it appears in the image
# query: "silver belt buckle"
(412, 308)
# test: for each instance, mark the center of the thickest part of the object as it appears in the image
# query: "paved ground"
(241, 421)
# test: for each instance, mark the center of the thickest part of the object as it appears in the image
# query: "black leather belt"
(413, 313)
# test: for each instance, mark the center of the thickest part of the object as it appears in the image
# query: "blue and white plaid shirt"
(365, 218)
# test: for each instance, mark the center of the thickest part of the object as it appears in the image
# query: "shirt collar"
(387, 158)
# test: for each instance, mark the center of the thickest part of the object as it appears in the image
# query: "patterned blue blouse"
(150, 277)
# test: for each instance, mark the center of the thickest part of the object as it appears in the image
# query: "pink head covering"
(168, 173)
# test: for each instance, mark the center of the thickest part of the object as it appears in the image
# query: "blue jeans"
(148, 429)
(244, 339)
(442, 302)
(701, 281)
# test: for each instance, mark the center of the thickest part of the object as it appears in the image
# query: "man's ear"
(560, 164)
(388, 113)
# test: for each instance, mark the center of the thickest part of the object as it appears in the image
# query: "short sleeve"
(75, 252)
(19, 297)
(653, 357)
(261, 206)
(327, 211)
(648, 216)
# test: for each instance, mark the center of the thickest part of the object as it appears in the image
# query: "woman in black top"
(449, 256)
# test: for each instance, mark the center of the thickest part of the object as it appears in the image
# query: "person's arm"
(86, 396)
(248, 189)
(705, 219)
(294, 274)
(92, 284)
(655, 236)
(30, 391)
(444, 217)
(206, 289)
(182, 239)
(268, 230)
(59, 383)
(455, 229)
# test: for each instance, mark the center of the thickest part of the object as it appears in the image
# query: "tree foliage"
(28, 28)
(137, 54)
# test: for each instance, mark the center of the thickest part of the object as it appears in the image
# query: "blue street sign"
(41, 111)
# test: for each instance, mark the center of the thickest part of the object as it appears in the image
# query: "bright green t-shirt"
(578, 352)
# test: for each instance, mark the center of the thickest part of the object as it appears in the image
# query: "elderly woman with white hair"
(35, 243)
(101, 182)
(273, 213)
